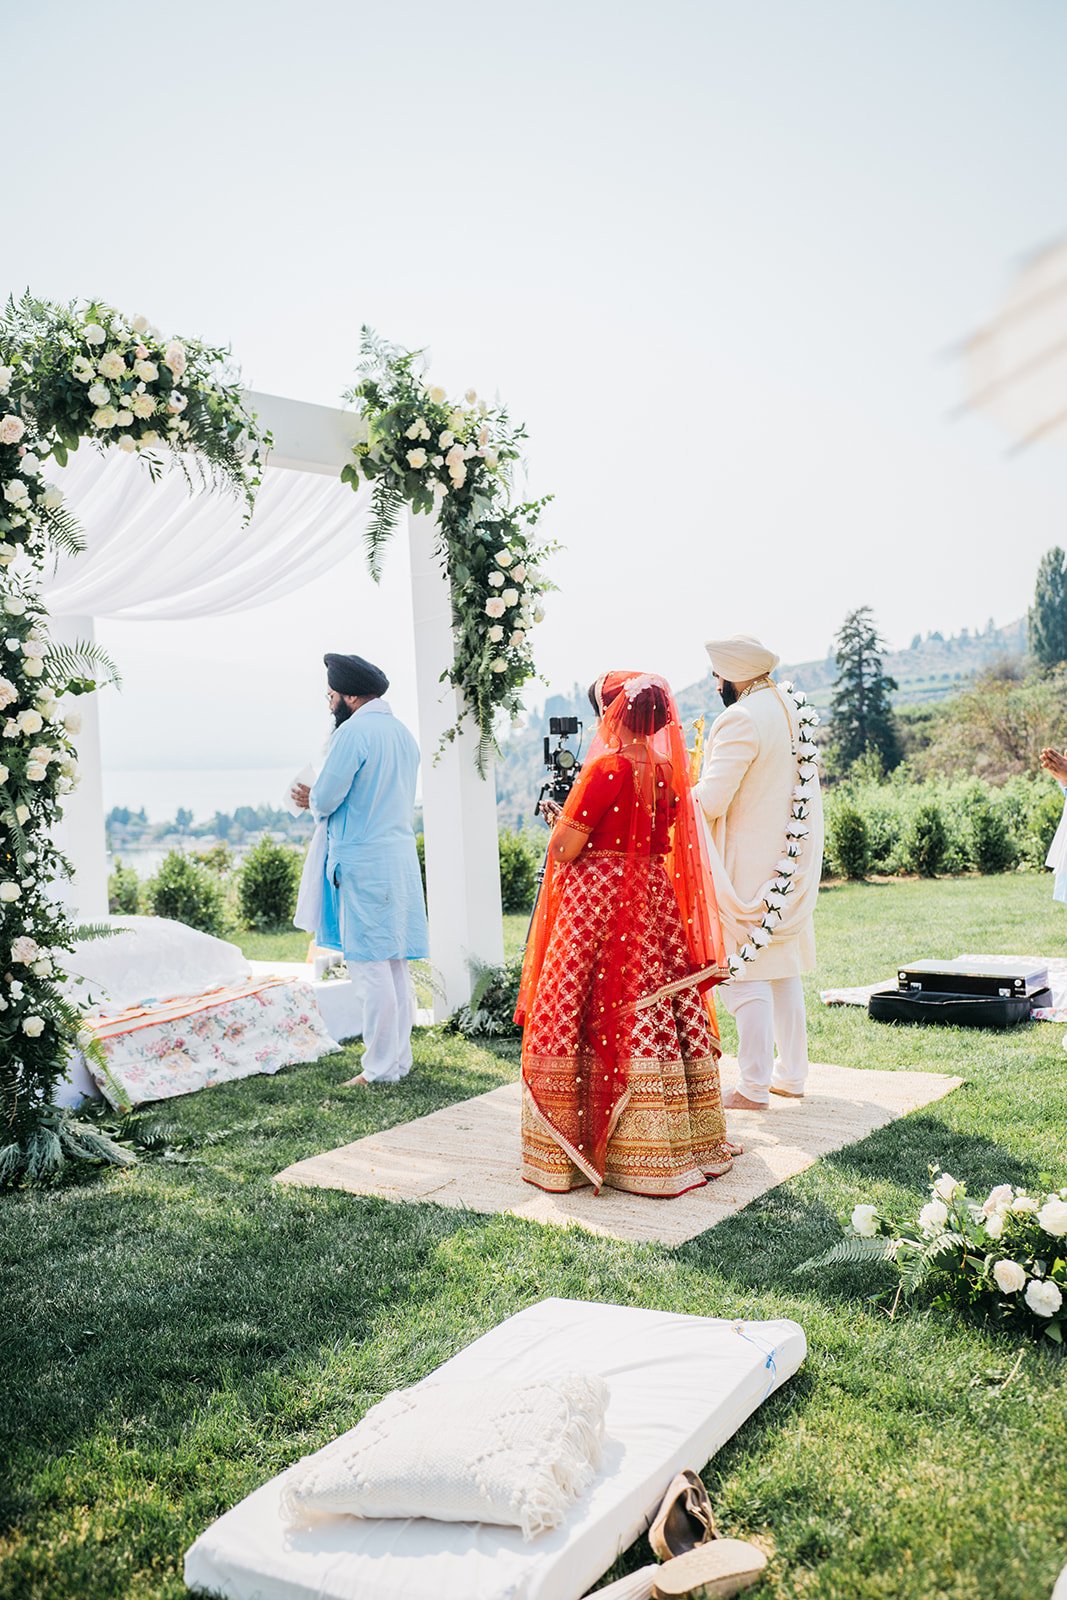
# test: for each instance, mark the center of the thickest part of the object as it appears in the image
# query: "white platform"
(680, 1387)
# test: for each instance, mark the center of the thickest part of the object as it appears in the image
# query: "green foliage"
(926, 840)
(217, 858)
(520, 862)
(187, 892)
(491, 1011)
(1047, 622)
(861, 712)
(123, 891)
(268, 885)
(848, 842)
(993, 848)
(420, 851)
(996, 729)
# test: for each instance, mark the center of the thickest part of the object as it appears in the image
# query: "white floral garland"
(777, 889)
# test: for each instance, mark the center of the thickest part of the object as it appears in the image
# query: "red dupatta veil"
(634, 791)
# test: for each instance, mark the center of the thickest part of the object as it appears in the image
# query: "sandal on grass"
(685, 1518)
(711, 1571)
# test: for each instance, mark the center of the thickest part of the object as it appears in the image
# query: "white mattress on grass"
(680, 1387)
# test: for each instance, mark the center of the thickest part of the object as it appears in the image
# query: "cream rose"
(33, 668)
(437, 395)
(5, 379)
(72, 721)
(495, 607)
(998, 1199)
(36, 771)
(33, 1027)
(504, 558)
(30, 722)
(495, 634)
(52, 497)
(416, 458)
(865, 1221)
(510, 597)
(23, 814)
(5, 773)
(994, 1224)
(1009, 1276)
(11, 428)
(175, 358)
(500, 665)
(105, 417)
(147, 371)
(7, 554)
(139, 323)
(142, 405)
(25, 950)
(932, 1217)
(1053, 1217)
(94, 333)
(496, 579)
(8, 693)
(124, 417)
(10, 892)
(111, 365)
(128, 443)
(945, 1186)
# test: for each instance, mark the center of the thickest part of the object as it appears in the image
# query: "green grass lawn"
(176, 1333)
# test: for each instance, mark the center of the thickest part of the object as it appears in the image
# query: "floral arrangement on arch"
(782, 885)
(68, 374)
(1006, 1256)
(454, 458)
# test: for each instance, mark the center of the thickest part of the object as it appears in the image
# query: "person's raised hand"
(551, 811)
(301, 793)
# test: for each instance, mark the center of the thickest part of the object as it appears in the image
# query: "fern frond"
(386, 505)
(849, 1252)
(84, 660)
(87, 931)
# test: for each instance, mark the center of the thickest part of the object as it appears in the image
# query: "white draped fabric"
(160, 551)
(1015, 369)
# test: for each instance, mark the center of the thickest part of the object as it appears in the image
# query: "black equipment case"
(964, 993)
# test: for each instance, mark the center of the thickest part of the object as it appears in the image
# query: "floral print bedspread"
(260, 1029)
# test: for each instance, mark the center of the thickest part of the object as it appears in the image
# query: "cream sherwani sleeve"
(732, 748)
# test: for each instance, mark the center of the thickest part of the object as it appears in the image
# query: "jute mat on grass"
(467, 1156)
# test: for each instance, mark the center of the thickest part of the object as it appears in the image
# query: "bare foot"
(787, 1094)
(359, 1082)
(736, 1101)
(734, 1149)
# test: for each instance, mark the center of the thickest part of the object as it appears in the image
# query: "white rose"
(83, 369)
(932, 1217)
(147, 371)
(124, 418)
(1025, 1205)
(998, 1199)
(510, 597)
(8, 693)
(539, 615)
(24, 950)
(497, 580)
(417, 458)
(128, 443)
(415, 431)
(7, 554)
(105, 417)
(17, 989)
(175, 358)
(10, 892)
(14, 606)
(140, 324)
(504, 558)
(946, 1186)
(458, 476)
(495, 634)
(72, 721)
(1043, 1297)
(94, 333)
(5, 379)
(150, 437)
(33, 1027)
(33, 669)
(495, 607)
(11, 429)
(518, 637)
(520, 573)
(29, 465)
(492, 457)
(994, 1225)
(23, 814)
(500, 665)
(111, 365)
(437, 395)
(30, 722)
(53, 497)
(34, 647)
(36, 771)
(447, 438)
(1053, 1217)
(142, 405)
(865, 1221)
(1009, 1276)
(42, 968)
(471, 396)
(5, 773)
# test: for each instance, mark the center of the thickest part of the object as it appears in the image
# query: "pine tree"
(862, 718)
(1048, 614)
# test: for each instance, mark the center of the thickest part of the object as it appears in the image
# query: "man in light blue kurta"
(373, 905)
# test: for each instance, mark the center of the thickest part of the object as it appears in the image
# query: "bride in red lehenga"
(620, 1045)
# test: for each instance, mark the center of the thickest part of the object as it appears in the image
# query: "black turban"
(353, 676)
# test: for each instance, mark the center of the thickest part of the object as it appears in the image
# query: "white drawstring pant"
(768, 1012)
(388, 1013)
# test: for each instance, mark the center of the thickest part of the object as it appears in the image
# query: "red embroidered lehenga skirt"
(668, 1134)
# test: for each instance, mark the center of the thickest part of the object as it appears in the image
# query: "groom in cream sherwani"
(746, 793)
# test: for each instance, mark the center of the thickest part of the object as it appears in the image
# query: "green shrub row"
(206, 892)
(939, 826)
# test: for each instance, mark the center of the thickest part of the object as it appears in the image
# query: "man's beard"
(728, 694)
(341, 713)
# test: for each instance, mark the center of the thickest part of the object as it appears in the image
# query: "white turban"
(740, 658)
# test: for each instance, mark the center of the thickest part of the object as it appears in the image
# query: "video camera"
(562, 762)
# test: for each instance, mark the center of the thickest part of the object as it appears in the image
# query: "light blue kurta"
(373, 906)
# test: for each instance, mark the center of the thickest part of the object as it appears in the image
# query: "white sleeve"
(733, 747)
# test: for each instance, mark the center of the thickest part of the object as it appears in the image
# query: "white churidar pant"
(769, 1012)
(388, 1014)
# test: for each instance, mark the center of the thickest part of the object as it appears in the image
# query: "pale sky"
(716, 256)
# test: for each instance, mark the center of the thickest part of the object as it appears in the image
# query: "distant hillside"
(930, 669)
